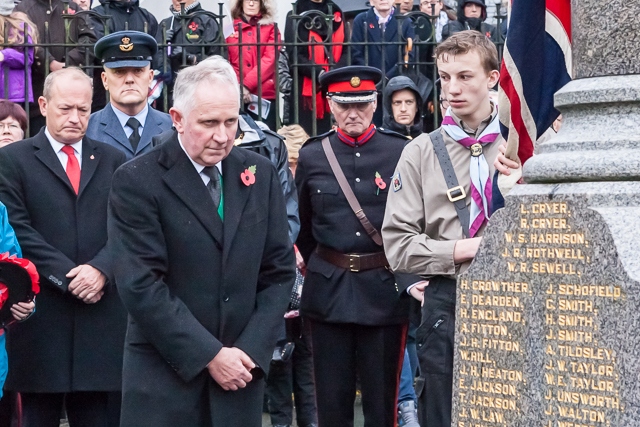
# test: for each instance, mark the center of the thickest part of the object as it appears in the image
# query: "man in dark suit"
(203, 264)
(56, 187)
(127, 122)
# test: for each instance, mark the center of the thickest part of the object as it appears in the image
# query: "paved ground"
(359, 420)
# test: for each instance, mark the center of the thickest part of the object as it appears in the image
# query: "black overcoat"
(66, 345)
(193, 284)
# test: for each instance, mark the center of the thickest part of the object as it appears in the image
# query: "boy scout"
(437, 208)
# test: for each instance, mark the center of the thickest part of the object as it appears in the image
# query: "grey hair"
(214, 69)
(73, 73)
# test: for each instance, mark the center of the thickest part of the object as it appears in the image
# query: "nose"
(74, 116)
(453, 87)
(220, 134)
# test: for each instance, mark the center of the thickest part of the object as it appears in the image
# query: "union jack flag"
(536, 64)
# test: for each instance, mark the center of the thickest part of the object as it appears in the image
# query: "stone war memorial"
(548, 315)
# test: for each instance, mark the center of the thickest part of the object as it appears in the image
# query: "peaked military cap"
(126, 49)
(353, 84)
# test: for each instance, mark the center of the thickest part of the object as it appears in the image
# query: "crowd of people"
(173, 240)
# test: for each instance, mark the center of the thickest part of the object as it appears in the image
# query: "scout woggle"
(248, 177)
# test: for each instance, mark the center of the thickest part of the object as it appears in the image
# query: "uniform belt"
(353, 262)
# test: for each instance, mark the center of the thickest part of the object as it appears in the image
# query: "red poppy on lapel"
(248, 177)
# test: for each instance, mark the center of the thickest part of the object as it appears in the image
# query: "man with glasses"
(434, 8)
(357, 313)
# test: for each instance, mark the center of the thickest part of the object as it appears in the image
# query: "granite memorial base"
(548, 315)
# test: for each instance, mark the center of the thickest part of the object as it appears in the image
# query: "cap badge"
(355, 81)
(126, 45)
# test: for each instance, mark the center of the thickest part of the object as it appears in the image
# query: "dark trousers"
(340, 351)
(294, 376)
(84, 409)
(434, 340)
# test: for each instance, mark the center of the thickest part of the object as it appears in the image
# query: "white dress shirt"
(57, 148)
(205, 178)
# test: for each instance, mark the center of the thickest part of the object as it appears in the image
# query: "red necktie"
(73, 167)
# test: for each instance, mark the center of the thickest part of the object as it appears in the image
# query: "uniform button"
(357, 179)
(319, 190)
(358, 233)
(225, 298)
(357, 154)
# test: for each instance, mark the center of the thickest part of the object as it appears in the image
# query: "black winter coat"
(124, 16)
(66, 345)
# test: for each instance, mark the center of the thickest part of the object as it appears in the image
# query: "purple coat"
(13, 66)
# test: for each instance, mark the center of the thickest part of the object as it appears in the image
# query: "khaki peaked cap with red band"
(352, 84)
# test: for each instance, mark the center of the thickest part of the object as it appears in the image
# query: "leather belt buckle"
(456, 193)
(354, 263)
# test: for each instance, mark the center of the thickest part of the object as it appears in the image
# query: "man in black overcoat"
(203, 263)
(56, 188)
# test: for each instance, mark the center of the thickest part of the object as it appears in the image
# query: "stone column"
(600, 136)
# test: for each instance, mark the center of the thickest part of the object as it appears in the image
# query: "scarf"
(478, 167)
(317, 55)
(187, 9)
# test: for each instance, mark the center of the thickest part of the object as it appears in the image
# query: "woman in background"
(13, 122)
(253, 18)
(16, 29)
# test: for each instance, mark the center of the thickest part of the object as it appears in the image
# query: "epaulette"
(393, 133)
(319, 137)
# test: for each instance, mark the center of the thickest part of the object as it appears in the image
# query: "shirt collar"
(57, 146)
(382, 19)
(359, 140)
(198, 166)
(123, 118)
(483, 124)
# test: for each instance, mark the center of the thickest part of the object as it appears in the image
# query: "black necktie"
(214, 183)
(134, 138)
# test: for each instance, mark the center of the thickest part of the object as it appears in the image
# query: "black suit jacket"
(67, 345)
(193, 283)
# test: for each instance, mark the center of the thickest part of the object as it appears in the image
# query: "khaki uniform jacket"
(421, 227)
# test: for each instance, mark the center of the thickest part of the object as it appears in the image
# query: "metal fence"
(186, 52)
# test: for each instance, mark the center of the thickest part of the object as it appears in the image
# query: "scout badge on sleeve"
(396, 182)
(19, 282)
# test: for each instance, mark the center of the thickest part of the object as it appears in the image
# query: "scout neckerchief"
(318, 55)
(478, 167)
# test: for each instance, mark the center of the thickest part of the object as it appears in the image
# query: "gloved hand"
(170, 33)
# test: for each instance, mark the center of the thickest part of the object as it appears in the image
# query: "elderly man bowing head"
(204, 264)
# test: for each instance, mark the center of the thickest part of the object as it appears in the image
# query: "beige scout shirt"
(421, 227)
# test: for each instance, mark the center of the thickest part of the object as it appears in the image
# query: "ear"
(150, 75)
(330, 105)
(42, 102)
(178, 119)
(494, 76)
(375, 104)
(104, 80)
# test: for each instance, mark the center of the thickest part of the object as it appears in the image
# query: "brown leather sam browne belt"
(353, 262)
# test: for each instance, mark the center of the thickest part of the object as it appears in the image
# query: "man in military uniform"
(432, 225)
(356, 312)
(127, 122)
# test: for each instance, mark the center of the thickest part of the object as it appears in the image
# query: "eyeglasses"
(444, 103)
(360, 106)
(251, 1)
(9, 126)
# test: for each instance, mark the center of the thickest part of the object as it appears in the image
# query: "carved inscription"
(544, 261)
